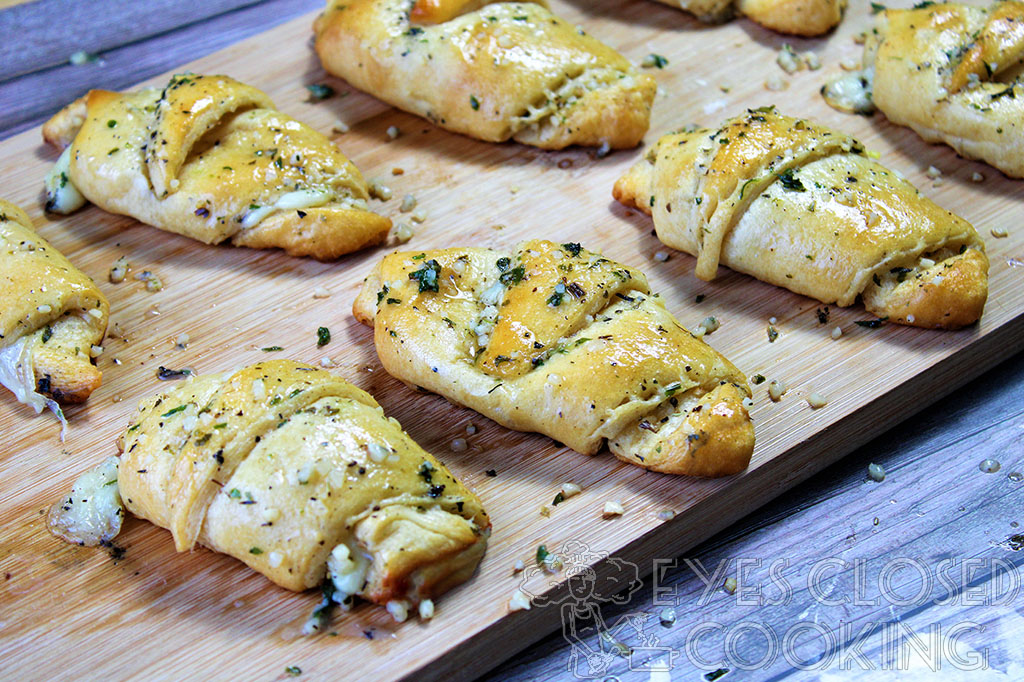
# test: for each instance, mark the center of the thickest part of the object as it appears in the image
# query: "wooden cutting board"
(77, 612)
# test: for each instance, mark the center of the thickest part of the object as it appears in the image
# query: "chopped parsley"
(572, 248)
(513, 276)
(427, 276)
(791, 182)
(47, 334)
(271, 349)
(319, 92)
(555, 299)
(293, 670)
(255, 550)
(758, 379)
(872, 324)
(542, 554)
(474, 103)
(323, 336)
(174, 410)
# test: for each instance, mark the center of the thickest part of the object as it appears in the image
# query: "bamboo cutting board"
(78, 612)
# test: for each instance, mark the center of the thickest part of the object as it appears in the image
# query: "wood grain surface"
(208, 614)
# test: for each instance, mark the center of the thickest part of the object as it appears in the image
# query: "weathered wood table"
(841, 575)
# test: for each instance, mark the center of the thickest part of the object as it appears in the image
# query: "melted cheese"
(347, 570)
(17, 375)
(61, 194)
(91, 513)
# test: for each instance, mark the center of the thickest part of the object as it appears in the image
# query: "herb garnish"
(474, 103)
(174, 410)
(572, 248)
(791, 182)
(323, 336)
(318, 92)
(427, 275)
(555, 299)
(513, 276)
(872, 324)
(542, 554)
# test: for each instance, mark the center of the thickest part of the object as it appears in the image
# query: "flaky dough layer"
(491, 70)
(51, 309)
(953, 74)
(210, 158)
(801, 206)
(555, 339)
(279, 463)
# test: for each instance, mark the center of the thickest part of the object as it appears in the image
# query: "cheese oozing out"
(61, 194)
(302, 198)
(91, 513)
(16, 374)
(347, 569)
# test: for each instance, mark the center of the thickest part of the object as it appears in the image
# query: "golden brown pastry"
(210, 158)
(300, 475)
(797, 17)
(953, 73)
(803, 207)
(51, 316)
(491, 70)
(556, 339)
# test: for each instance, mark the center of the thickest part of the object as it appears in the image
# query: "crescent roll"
(298, 474)
(210, 158)
(51, 317)
(953, 73)
(797, 17)
(491, 70)
(556, 339)
(803, 207)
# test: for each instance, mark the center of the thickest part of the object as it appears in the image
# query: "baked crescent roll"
(556, 339)
(51, 317)
(797, 17)
(803, 207)
(491, 70)
(300, 475)
(210, 158)
(953, 73)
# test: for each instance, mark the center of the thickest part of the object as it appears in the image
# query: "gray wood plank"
(31, 98)
(51, 30)
(935, 523)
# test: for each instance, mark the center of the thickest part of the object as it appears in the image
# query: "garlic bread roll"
(953, 73)
(52, 315)
(300, 475)
(556, 339)
(491, 70)
(210, 158)
(801, 206)
(796, 17)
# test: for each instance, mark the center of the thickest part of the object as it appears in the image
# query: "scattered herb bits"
(323, 336)
(652, 61)
(427, 276)
(293, 670)
(319, 92)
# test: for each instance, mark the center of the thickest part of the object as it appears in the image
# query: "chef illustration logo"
(579, 581)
